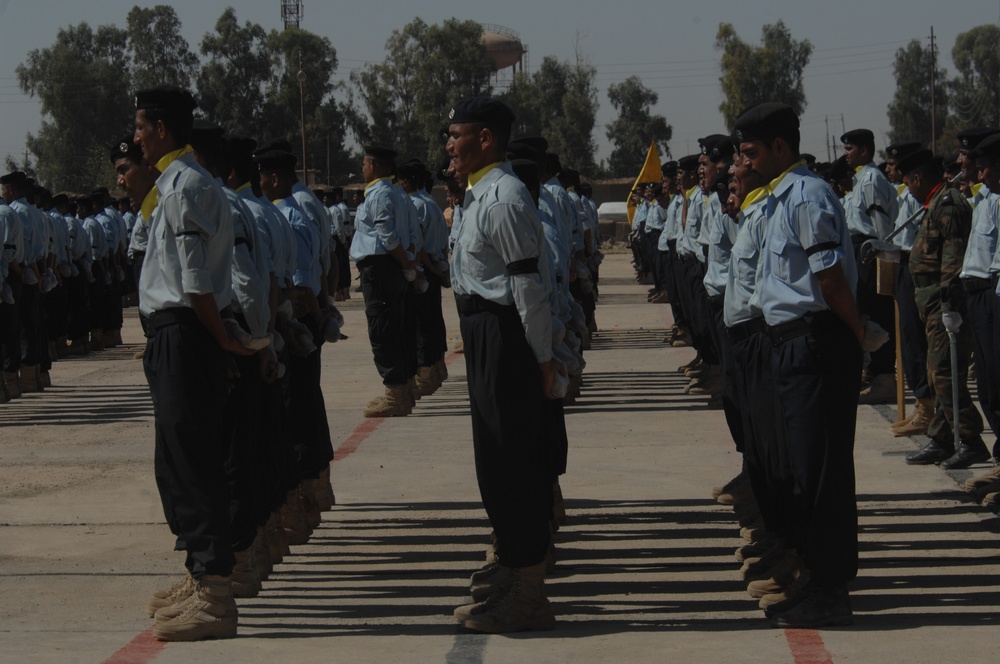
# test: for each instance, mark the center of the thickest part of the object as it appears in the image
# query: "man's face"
(856, 155)
(914, 184)
(706, 173)
(134, 179)
(268, 185)
(8, 194)
(368, 168)
(733, 201)
(761, 159)
(891, 172)
(465, 146)
(986, 168)
(150, 136)
(969, 171)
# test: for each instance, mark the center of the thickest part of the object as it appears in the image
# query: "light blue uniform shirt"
(30, 230)
(456, 222)
(656, 217)
(906, 205)
(501, 226)
(98, 239)
(873, 208)
(672, 226)
(569, 213)
(337, 224)
(251, 281)
(547, 203)
(315, 212)
(306, 272)
(435, 230)
(190, 240)
(60, 237)
(377, 221)
(110, 226)
(13, 235)
(267, 229)
(688, 244)
(980, 252)
(284, 237)
(79, 240)
(806, 233)
(721, 231)
(641, 212)
(744, 266)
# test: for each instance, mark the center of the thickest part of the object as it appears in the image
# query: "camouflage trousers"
(940, 373)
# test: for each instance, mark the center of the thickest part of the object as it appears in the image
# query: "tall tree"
(559, 101)
(159, 53)
(293, 48)
(755, 74)
(86, 103)
(635, 127)
(975, 91)
(232, 82)
(910, 108)
(427, 68)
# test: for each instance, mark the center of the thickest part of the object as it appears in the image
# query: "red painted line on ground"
(144, 647)
(140, 650)
(807, 647)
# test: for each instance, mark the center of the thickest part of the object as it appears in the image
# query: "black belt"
(976, 284)
(672, 244)
(468, 305)
(173, 316)
(861, 239)
(787, 331)
(746, 329)
(689, 259)
(716, 302)
(368, 261)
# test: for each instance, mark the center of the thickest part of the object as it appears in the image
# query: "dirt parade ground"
(645, 569)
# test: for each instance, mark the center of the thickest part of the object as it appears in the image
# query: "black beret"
(914, 160)
(126, 148)
(552, 163)
(165, 98)
(950, 163)
(62, 198)
(537, 143)
(688, 163)
(900, 150)
(571, 176)
(241, 147)
(656, 188)
(858, 137)
(720, 184)
(207, 128)
(274, 160)
(410, 170)
(970, 138)
(337, 190)
(16, 177)
(716, 147)
(669, 169)
(487, 110)
(988, 147)
(766, 121)
(838, 169)
(380, 152)
(519, 150)
(809, 158)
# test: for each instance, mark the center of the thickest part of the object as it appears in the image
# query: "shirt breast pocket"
(777, 248)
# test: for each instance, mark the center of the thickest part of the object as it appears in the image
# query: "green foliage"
(975, 91)
(755, 74)
(910, 108)
(635, 127)
(559, 102)
(427, 69)
(158, 52)
(86, 103)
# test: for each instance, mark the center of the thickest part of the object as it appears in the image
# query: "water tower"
(505, 50)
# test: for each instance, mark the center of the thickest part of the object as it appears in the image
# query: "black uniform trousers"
(696, 309)
(878, 307)
(431, 334)
(652, 256)
(979, 297)
(307, 425)
(10, 320)
(385, 289)
(77, 326)
(816, 367)
(36, 348)
(724, 350)
(913, 340)
(188, 381)
(343, 264)
(513, 458)
(245, 463)
(673, 287)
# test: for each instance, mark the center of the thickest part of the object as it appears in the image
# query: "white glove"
(560, 382)
(875, 337)
(558, 331)
(410, 275)
(65, 270)
(331, 330)
(952, 321)
(120, 274)
(107, 278)
(28, 277)
(7, 295)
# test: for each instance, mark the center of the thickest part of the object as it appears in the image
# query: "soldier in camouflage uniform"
(935, 263)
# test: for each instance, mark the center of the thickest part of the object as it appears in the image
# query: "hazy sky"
(670, 45)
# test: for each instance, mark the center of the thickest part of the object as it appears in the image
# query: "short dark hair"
(179, 123)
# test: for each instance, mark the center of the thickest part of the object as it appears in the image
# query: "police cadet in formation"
(935, 264)
(499, 273)
(913, 340)
(670, 204)
(380, 253)
(807, 351)
(685, 259)
(871, 212)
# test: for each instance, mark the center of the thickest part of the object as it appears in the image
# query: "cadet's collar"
(900, 189)
(776, 182)
(934, 192)
(478, 175)
(374, 183)
(169, 158)
(149, 202)
(976, 188)
(691, 191)
(754, 196)
(245, 185)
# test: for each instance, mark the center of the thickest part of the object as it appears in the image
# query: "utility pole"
(827, 119)
(933, 101)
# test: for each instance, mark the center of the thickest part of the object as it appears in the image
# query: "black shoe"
(932, 452)
(968, 453)
(819, 607)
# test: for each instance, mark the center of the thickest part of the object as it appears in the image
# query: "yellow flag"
(650, 173)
